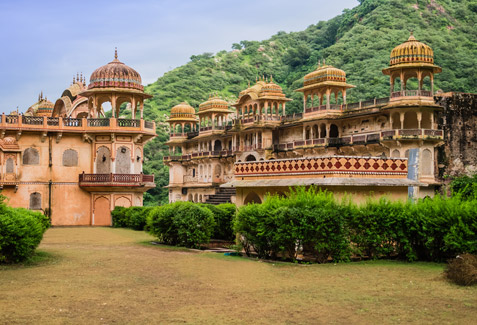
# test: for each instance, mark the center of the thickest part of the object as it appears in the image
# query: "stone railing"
(198, 155)
(74, 124)
(358, 139)
(411, 93)
(340, 166)
(115, 179)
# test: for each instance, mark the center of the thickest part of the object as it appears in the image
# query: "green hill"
(358, 41)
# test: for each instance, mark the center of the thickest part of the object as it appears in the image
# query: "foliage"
(181, 224)
(359, 41)
(463, 270)
(21, 231)
(306, 218)
(132, 217)
(223, 217)
(466, 186)
(432, 229)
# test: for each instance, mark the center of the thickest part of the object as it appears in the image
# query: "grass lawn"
(106, 275)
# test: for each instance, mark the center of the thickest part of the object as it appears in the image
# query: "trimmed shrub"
(21, 231)
(132, 217)
(118, 216)
(463, 270)
(223, 217)
(307, 220)
(182, 224)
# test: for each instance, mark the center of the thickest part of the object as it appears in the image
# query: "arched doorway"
(217, 145)
(101, 212)
(334, 133)
(252, 197)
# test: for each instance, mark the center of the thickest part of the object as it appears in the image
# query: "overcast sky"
(45, 43)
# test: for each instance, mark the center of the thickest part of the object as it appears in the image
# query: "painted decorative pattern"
(324, 165)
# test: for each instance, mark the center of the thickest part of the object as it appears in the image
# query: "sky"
(45, 43)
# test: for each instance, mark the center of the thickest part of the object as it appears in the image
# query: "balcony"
(363, 139)
(116, 182)
(60, 124)
(199, 155)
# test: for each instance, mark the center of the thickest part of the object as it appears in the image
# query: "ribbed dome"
(271, 89)
(214, 102)
(324, 73)
(115, 74)
(412, 51)
(183, 109)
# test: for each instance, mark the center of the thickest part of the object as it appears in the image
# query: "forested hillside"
(358, 41)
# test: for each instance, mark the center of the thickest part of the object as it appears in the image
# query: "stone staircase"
(222, 195)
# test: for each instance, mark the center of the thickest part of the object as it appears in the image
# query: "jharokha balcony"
(120, 182)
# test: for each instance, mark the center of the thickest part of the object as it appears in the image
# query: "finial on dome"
(249, 84)
(41, 95)
(115, 53)
(319, 63)
(271, 78)
(324, 62)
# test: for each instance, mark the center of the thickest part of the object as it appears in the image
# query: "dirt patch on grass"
(105, 275)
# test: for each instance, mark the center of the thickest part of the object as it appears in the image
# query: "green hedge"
(132, 217)
(307, 219)
(314, 222)
(181, 224)
(223, 216)
(21, 231)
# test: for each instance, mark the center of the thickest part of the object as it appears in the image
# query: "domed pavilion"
(411, 59)
(116, 83)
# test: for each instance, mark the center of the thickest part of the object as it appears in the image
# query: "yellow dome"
(214, 102)
(324, 73)
(271, 89)
(183, 109)
(412, 51)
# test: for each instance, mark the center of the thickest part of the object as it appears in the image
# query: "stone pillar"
(401, 117)
(419, 119)
(284, 111)
(328, 95)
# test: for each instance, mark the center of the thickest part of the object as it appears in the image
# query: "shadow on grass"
(167, 247)
(38, 259)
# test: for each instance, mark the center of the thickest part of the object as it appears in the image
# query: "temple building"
(70, 161)
(383, 146)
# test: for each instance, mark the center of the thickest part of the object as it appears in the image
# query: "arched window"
(35, 201)
(395, 153)
(123, 160)
(70, 158)
(10, 165)
(31, 157)
(250, 158)
(427, 164)
(410, 120)
(103, 161)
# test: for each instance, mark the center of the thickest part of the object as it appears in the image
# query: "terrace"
(60, 124)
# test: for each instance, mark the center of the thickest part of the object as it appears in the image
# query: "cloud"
(48, 42)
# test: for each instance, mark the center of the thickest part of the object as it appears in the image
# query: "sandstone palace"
(66, 159)
(383, 146)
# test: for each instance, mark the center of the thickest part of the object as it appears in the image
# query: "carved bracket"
(59, 136)
(43, 136)
(18, 135)
(87, 138)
